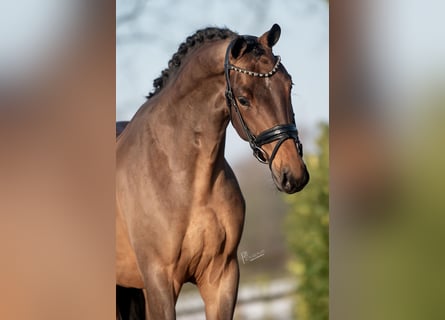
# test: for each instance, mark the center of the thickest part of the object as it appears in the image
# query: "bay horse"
(179, 208)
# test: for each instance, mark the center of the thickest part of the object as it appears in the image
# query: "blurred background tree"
(307, 233)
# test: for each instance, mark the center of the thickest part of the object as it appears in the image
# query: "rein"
(280, 132)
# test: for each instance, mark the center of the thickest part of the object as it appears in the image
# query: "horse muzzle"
(287, 181)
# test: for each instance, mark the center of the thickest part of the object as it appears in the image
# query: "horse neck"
(190, 115)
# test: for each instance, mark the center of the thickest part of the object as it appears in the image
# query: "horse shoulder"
(233, 190)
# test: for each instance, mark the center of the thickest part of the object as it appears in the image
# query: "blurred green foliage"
(307, 233)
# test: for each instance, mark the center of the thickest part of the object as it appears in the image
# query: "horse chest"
(217, 228)
(212, 237)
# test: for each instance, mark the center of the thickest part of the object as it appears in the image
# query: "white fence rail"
(271, 300)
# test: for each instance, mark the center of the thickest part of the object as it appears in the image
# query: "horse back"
(120, 126)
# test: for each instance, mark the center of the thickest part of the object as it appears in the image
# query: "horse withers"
(179, 209)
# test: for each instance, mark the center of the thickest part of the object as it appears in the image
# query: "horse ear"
(238, 47)
(271, 37)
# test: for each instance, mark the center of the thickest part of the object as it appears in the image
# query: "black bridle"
(278, 133)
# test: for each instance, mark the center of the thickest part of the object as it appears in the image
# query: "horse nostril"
(286, 181)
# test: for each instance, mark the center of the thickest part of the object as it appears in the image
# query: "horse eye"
(243, 101)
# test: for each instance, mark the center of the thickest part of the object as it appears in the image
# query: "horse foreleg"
(160, 296)
(219, 291)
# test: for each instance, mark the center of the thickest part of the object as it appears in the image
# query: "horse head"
(259, 98)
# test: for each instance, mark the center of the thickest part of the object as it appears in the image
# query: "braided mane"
(198, 38)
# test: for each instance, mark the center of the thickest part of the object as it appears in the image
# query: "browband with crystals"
(257, 74)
